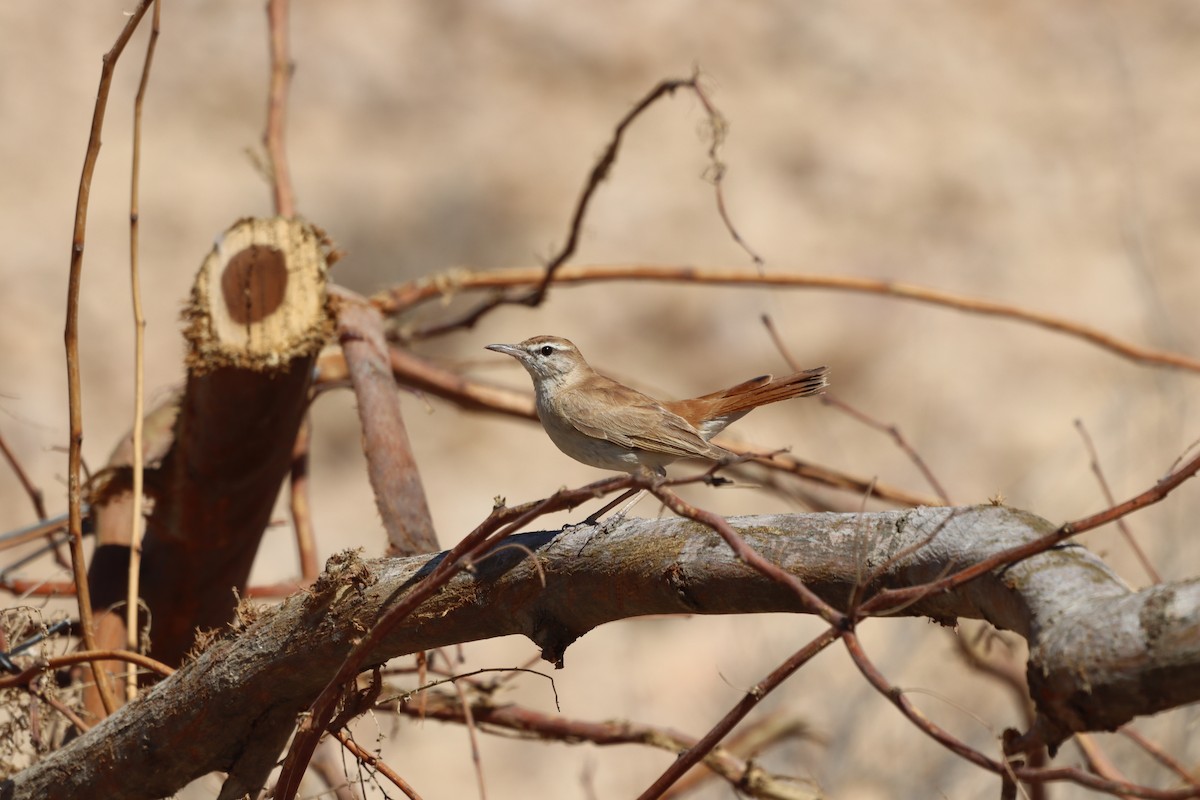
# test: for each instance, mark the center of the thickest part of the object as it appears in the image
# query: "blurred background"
(1038, 154)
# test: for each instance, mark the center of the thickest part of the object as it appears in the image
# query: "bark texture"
(1100, 653)
(256, 319)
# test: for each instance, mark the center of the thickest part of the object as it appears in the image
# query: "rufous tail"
(712, 412)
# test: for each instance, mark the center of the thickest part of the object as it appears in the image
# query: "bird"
(606, 424)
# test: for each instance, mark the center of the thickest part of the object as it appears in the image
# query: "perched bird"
(603, 423)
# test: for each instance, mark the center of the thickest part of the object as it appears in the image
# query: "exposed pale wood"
(259, 299)
(256, 320)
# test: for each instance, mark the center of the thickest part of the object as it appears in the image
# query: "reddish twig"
(747, 743)
(37, 588)
(1099, 762)
(375, 763)
(600, 172)
(808, 598)
(278, 590)
(59, 706)
(892, 430)
(752, 698)
(897, 697)
(526, 723)
(1098, 471)
(1160, 756)
(273, 137)
(1012, 677)
(35, 494)
(71, 339)
(500, 523)
(890, 598)
(405, 296)
(598, 175)
(332, 772)
(82, 657)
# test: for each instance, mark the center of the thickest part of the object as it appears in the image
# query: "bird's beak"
(507, 349)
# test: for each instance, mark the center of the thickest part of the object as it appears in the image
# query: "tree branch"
(205, 716)
(403, 297)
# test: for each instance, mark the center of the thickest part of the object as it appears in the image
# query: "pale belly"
(600, 453)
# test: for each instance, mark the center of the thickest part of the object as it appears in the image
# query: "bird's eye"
(546, 350)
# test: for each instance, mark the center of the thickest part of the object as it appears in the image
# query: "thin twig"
(897, 697)
(1122, 526)
(273, 137)
(1160, 756)
(35, 494)
(718, 127)
(502, 522)
(811, 602)
(1099, 762)
(46, 528)
(405, 296)
(892, 430)
(1012, 677)
(752, 698)
(808, 598)
(600, 171)
(59, 706)
(81, 657)
(525, 723)
(506, 673)
(747, 743)
(71, 339)
(139, 368)
(37, 497)
(888, 598)
(469, 723)
(423, 375)
(300, 506)
(374, 762)
(332, 772)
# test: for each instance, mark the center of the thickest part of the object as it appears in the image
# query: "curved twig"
(405, 296)
(84, 657)
(71, 337)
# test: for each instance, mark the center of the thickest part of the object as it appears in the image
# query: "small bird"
(603, 423)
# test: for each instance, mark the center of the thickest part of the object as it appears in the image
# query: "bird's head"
(546, 358)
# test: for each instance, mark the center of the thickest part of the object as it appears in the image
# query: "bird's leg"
(594, 518)
(616, 518)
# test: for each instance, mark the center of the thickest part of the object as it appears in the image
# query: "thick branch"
(395, 478)
(256, 319)
(1106, 652)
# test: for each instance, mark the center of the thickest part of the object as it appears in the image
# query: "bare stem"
(71, 339)
(139, 370)
(273, 137)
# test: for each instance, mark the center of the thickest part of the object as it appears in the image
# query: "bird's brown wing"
(615, 413)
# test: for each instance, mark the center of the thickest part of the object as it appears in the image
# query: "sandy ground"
(1038, 154)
